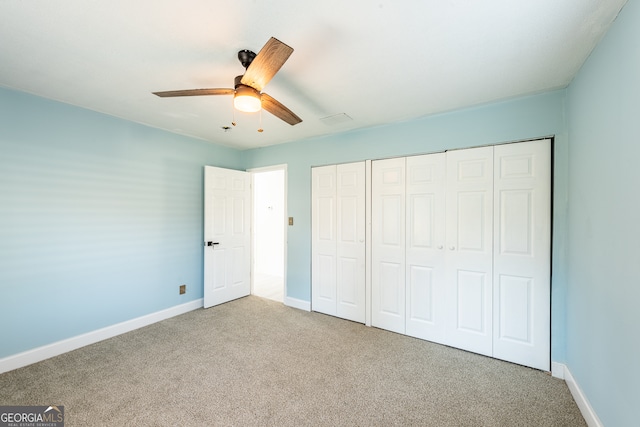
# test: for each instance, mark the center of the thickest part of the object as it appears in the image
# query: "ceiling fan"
(247, 92)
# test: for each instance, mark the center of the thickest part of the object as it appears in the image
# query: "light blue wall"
(603, 294)
(100, 219)
(524, 118)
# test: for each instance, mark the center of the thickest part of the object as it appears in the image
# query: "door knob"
(452, 248)
(440, 246)
(212, 243)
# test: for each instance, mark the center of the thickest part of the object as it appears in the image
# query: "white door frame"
(252, 171)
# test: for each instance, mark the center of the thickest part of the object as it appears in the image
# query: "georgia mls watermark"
(31, 416)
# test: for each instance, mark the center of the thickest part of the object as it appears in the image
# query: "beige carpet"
(255, 362)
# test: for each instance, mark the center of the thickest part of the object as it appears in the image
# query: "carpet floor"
(256, 362)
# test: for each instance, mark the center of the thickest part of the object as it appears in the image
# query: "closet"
(460, 248)
(338, 240)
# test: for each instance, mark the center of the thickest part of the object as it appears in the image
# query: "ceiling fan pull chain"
(260, 128)
(233, 117)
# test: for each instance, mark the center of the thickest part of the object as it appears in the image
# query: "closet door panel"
(469, 248)
(471, 223)
(522, 253)
(471, 299)
(391, 295)
(325, 283)
(324, 244)
(421, 301)
(425, 234)
(388, 245)
(350, 251)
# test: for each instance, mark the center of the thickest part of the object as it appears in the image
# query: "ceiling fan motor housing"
(246, 57)
(239, 87)
(244, 89)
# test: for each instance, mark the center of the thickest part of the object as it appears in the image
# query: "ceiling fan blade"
(280, 111)
(266, 64)
(194, 92)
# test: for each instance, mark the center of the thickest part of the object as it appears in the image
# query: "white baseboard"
(557, 370)
(54, 349)
(587, 411)
(297, 303)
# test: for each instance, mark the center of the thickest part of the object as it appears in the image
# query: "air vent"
(336, 119)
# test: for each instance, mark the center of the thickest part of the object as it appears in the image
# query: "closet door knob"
(452, 248)
(440, 246)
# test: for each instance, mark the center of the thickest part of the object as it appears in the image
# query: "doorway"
(269, 232)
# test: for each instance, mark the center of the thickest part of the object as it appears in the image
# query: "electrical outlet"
(183, 289)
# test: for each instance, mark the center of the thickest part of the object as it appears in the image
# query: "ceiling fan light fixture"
(247, 99)
(247, 93)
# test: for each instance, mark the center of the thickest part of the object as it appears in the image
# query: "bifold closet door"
(461, 249)
(323, 240)
(424, 246)
(338, 242)
(432, 247)
(388, 305)
(351, 242)
(469, 247)
(522, 253)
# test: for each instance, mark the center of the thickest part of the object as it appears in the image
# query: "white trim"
(269, 168)
(557, 370)
(587, 411)
(57, 348)
(297, 303)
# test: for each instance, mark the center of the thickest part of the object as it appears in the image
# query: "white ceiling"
(376, 61)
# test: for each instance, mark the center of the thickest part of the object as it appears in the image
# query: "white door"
(469, 249)
(338, 241)
(323, 239)
(227, 252)
(388, 244)
(350, 241)
(425, 240)
(522, 245)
